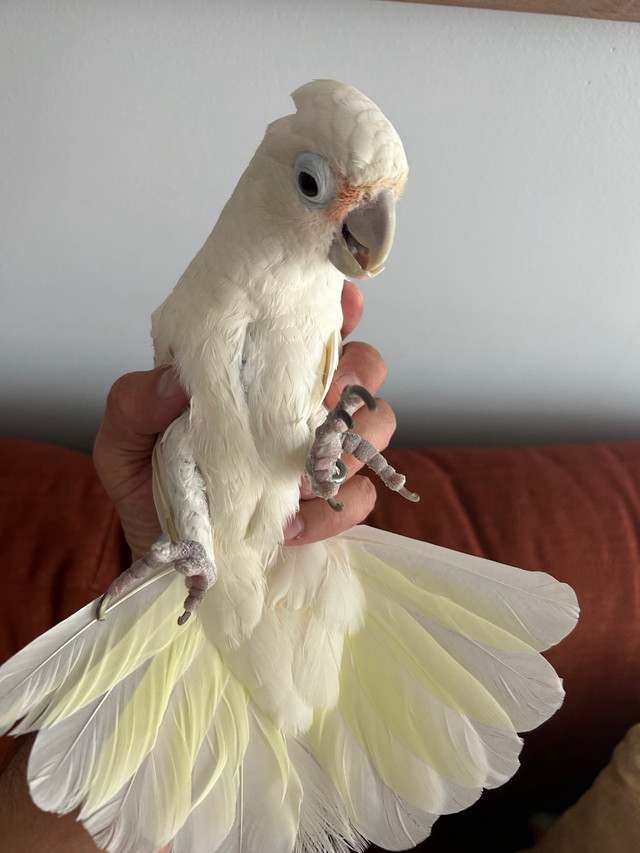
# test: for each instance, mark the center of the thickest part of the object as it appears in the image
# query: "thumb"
(139, 406)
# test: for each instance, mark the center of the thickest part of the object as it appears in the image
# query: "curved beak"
(360, 248)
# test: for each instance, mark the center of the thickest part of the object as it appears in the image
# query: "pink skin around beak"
(365, 234)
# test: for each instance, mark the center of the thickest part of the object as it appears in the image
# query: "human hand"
(142, 404)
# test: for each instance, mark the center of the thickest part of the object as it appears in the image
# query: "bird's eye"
(308, 185)
(314, 180)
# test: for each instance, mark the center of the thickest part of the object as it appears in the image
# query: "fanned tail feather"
(268, 805)
(324, 820)
(531, 606)
(377, 812)
(204, 704)
(150, 730)
(41, 685)
(216, 776)
(437, 683)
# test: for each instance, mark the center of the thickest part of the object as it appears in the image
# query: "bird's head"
(341, 167)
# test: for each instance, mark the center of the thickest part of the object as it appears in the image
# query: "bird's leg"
(187, 557)
(324, 466)
(178, 483)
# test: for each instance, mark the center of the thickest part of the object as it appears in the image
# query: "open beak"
(360, 248)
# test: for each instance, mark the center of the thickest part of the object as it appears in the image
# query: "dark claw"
(410, 496)
(341, 475)
(364, 395)
(334, 504)
(103, 604)
(344, 416)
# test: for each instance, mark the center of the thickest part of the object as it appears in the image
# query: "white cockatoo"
(320, 696)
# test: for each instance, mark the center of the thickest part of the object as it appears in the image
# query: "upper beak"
(360, 248)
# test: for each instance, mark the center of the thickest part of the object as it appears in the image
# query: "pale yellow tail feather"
(429, 718)
(375, 810)
(530, 606)
(41, 683)
(216, 776)
(167, 767)
(323, 813)
(268, 807)
(429, 674)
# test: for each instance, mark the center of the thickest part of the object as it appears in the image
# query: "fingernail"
(168, 384)
(337, 386)
(348, 379)
(293, 528)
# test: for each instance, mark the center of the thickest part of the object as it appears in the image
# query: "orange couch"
(571, 510)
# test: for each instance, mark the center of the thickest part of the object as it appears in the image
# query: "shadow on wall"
(69, 423)
(73, 423)
(503, 427)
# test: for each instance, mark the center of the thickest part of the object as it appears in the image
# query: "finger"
(316, 520)
(352, 307)
(360, 364)
(140, 405)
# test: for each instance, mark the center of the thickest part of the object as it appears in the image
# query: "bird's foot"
(187, 556)
(324, 466)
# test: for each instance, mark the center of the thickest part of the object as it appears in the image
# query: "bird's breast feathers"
(256, 360)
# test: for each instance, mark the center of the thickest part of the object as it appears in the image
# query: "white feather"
(62, 762)
(268, 807)
(324, 822)
(216, 776)
(375, 811)
(531, 607)
(72, 664)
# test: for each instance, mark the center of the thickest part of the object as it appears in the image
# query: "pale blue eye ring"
(314, 180)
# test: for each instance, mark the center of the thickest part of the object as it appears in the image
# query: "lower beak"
(360, 248)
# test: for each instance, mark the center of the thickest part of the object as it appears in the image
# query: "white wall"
(510, 309)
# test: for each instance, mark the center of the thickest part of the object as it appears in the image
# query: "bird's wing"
(332, 353)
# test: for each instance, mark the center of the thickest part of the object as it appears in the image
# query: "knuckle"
(369, 494)
(363, 501)
(377, 427)
(366, 362)
(387, 417)
(119, 399)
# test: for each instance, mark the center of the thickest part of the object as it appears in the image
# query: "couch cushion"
(61, 541)
(61, 538)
